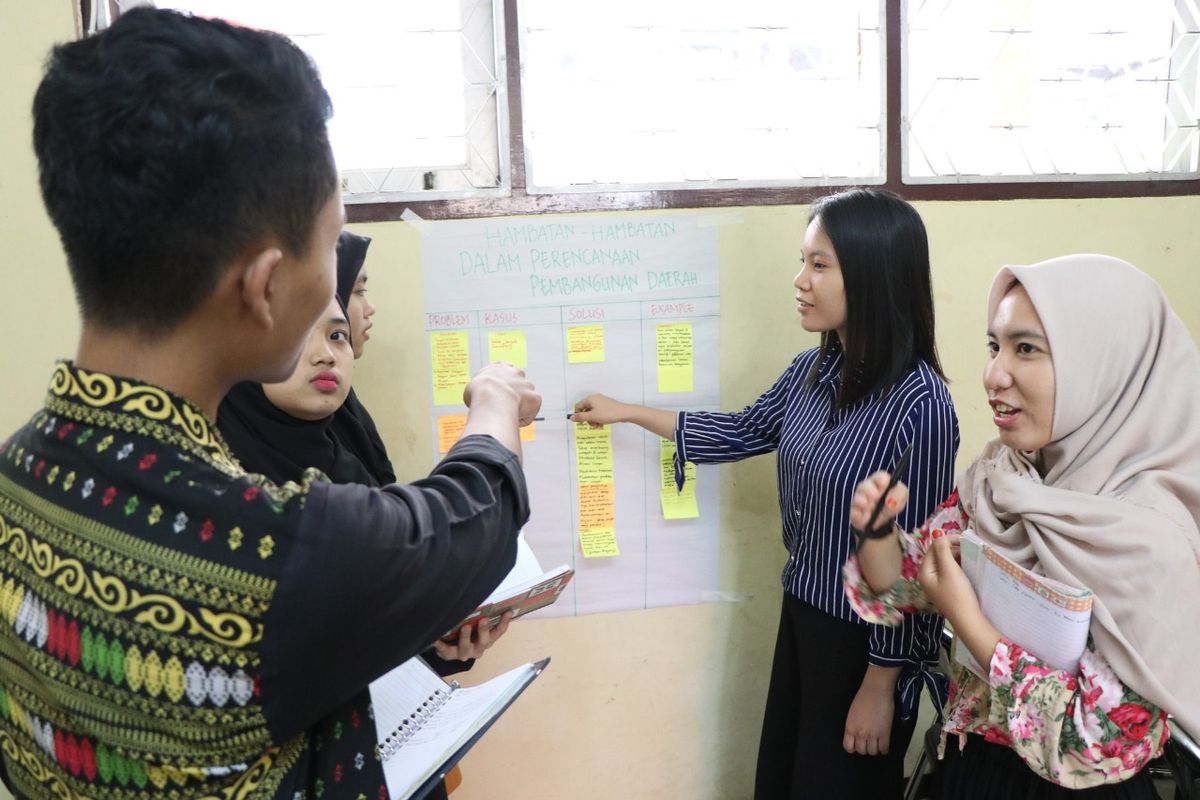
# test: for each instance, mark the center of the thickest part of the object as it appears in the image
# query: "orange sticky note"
(450, 428)
(596, 506)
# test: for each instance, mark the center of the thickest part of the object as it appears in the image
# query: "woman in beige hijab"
(1094, 481)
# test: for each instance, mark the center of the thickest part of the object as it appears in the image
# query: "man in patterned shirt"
(172, 626)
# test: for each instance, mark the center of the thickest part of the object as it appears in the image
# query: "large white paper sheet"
(626, 276)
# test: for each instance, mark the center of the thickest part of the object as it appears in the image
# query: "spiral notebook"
(425, 725)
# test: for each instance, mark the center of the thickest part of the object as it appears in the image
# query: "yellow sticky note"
(597, 497)
(597, 506)
(450, 355)
(593, 454)
(529, 432)
(666, 455)
(680, 505)
(508, 346)
(599, 543)
(450, 428)
(674, 357)
(585, 344)
(676, 504)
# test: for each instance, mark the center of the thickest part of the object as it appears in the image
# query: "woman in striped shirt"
(841, 705)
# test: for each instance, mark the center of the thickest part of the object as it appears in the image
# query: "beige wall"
(39, 309)
(667, 703)
(643, 704)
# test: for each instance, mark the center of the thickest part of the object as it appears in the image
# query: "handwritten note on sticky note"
(585, 344)
(674, 343)
(596, 496)
(450, 356)
(508, 346)
(599, 543)
(676, 504)
(450, 428)
(666, 463)
(593, 454)
(597, 506)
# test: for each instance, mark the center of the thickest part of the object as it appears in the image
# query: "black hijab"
(351, 255)
(352, 426)
(268, 440)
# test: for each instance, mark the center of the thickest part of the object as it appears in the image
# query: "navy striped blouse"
(824, 453)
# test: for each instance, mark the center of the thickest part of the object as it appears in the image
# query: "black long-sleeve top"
(177, 626)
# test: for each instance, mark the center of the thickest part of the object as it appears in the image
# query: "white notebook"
(425, 725)
(1047, 618)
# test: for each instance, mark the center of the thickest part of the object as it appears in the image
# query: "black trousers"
(819, 665)
(988, 771)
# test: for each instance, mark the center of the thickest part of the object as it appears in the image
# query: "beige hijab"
(1118, 506)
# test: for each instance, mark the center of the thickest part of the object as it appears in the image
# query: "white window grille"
(1028, 90)
(418, 89)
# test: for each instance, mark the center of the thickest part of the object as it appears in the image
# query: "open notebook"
(425, 725)
(1047, 618)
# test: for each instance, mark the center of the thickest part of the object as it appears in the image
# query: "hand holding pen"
(878, 500)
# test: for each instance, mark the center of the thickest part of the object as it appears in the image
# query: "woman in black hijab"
(282, 429)
(352, 424)
(344, 443)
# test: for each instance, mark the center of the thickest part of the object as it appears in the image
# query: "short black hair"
(168, 144)
(883, 251)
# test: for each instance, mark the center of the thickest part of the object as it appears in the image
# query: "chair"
(1182, 756)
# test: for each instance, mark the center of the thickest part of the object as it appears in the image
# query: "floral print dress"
(1077, 731)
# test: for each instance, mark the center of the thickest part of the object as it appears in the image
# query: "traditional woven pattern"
(133, 590)
(172, 627)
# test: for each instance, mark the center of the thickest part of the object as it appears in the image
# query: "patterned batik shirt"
(1077, 730)
(176, 628)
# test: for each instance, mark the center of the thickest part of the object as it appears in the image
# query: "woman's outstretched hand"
(597, 410)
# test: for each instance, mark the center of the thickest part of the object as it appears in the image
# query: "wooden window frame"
(520, 201)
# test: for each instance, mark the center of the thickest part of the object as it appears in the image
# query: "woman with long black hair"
(842, 700)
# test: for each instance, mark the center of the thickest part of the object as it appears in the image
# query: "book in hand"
(526, 588)
(425, 725)
(1045, 617)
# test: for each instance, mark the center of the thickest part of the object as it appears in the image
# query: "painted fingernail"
(891, 503)
(938, 533)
